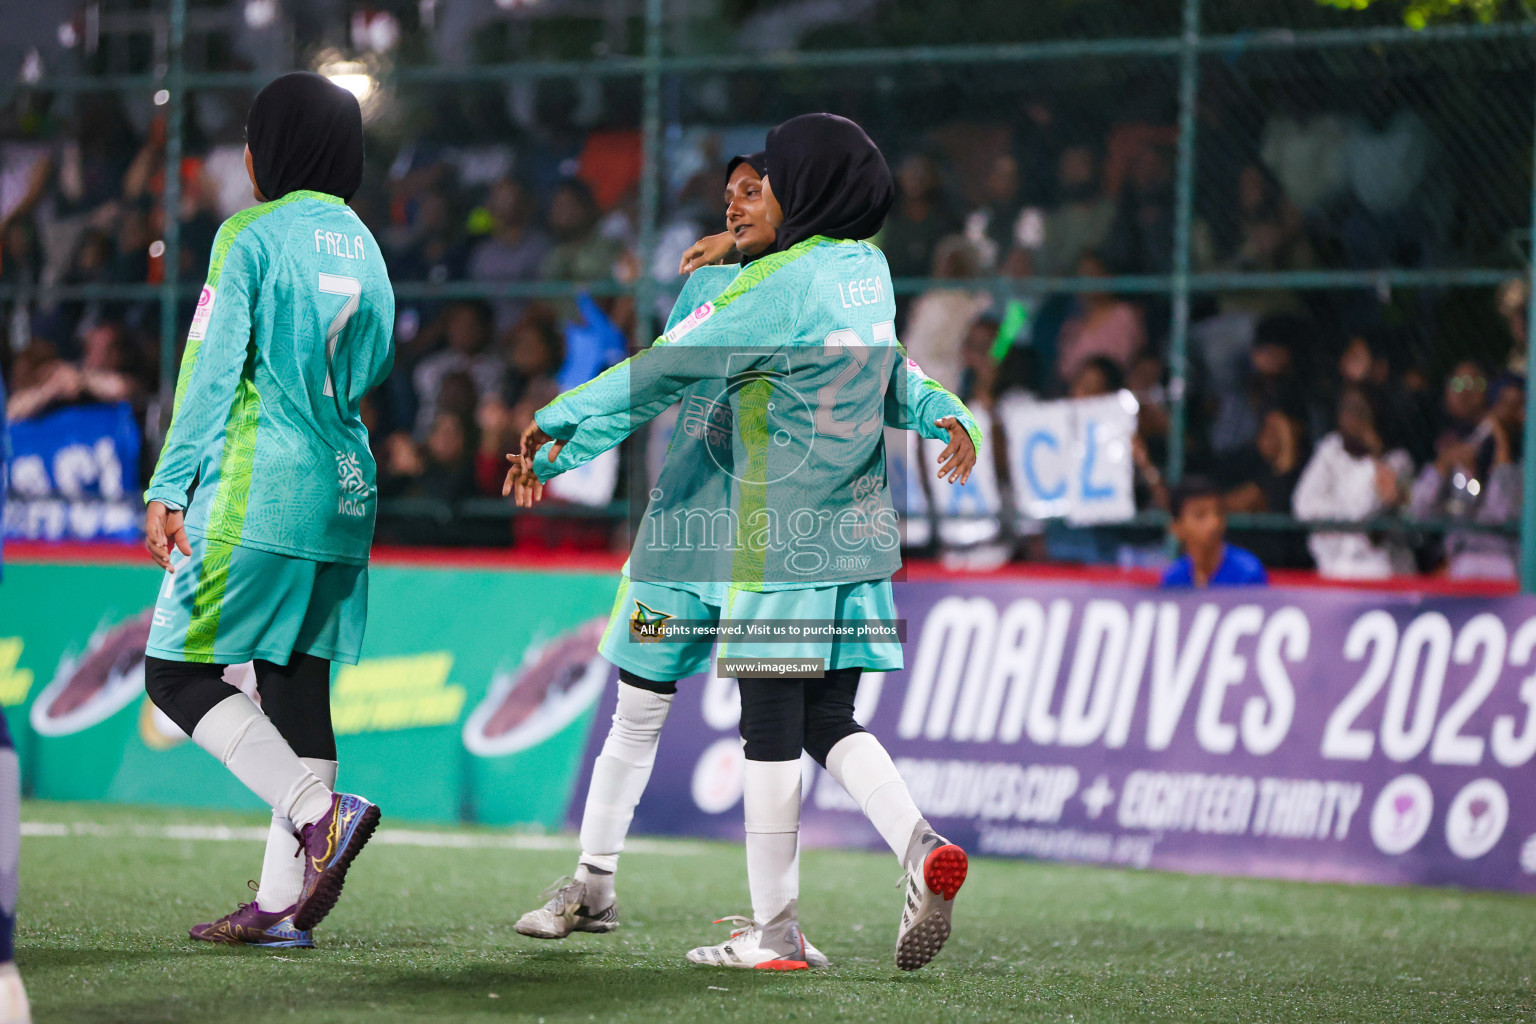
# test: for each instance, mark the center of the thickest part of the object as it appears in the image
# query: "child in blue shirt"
(1200, 525)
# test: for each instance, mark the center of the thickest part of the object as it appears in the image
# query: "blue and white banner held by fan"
(74, 475)
(1072, 458)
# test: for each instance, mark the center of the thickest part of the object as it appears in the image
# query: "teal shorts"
(638, 602)
(228, 604)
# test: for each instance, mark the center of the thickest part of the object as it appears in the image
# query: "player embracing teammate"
(261, 508)
(800, 354)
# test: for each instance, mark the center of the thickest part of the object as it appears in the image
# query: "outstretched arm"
(704, 345)
(915, 401)
(210, 367)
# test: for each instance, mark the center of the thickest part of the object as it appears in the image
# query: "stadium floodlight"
(352, 76)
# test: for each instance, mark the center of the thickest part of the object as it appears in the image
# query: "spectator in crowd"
(494, 421)
(1097, 375)
(996, 226)
(144, 191)
(443, 467)
(78, 184)
(979, 367)
(534, 356)
(941, 317)
(515, 250)
(1353, 476)
(920, 220)
(580, 252)
(430, 248)
(1269, 228)
(1477, 479)
(1102, 325)
(1511, 300)
(466, 328)
(1140, 240)
(1199, 524)
(1261, 476)
(1305, 152)
(1079, 223)
(44, 382)
(1273, 379)
(1367, 363)
(1386, 157)
(1465, 406)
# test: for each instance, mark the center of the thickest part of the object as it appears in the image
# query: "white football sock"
(772, 804)
(619, 777)
(282, 870)
(247, 743)
(862, 767)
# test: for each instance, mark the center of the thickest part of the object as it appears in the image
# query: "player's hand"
(162, 528)
(707, 250)
(522, 484)
(534, 439)
(959, 456)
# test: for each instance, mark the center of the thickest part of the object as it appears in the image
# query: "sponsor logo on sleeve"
(692, 320)
(199, 328)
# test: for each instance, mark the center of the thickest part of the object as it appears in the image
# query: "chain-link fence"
(1299, 235)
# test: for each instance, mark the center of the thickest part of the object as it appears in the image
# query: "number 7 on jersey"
(352, 288)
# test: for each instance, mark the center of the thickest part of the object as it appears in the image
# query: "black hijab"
(829, 179)
(757, 161)
(305, 134)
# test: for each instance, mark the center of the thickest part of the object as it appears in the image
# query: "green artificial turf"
(425, 934)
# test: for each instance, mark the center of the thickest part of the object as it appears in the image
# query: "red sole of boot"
(320, 903)
(944, 870)
(782, 965)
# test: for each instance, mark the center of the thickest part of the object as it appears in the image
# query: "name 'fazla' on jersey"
(294, 326)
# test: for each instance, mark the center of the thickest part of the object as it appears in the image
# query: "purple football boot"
(329, 846)
(252, 926)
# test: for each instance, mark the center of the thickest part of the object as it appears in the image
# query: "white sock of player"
(772, 804)
(282, 871)
(862, 767)
(619, 777)
(247, 743)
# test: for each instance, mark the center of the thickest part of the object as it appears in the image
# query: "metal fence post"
(650, 212)
(1527, 506)
(1178, 330)
(171, 206)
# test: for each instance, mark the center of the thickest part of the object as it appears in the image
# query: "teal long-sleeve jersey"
(294, 326)
(798, 351)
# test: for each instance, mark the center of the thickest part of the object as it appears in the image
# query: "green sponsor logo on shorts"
(647, 625)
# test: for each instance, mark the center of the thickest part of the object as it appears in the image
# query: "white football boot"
(776, 946)
(813, 956)
(935, 871)
(567, 912)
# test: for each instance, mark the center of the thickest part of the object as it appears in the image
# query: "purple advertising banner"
(1311, 734)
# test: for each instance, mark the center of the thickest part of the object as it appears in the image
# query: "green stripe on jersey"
(208, 600)
(749, 561)
(226, 518)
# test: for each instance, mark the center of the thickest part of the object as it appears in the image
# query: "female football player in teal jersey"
(649, 672)
(262, 504)
(815, 537)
